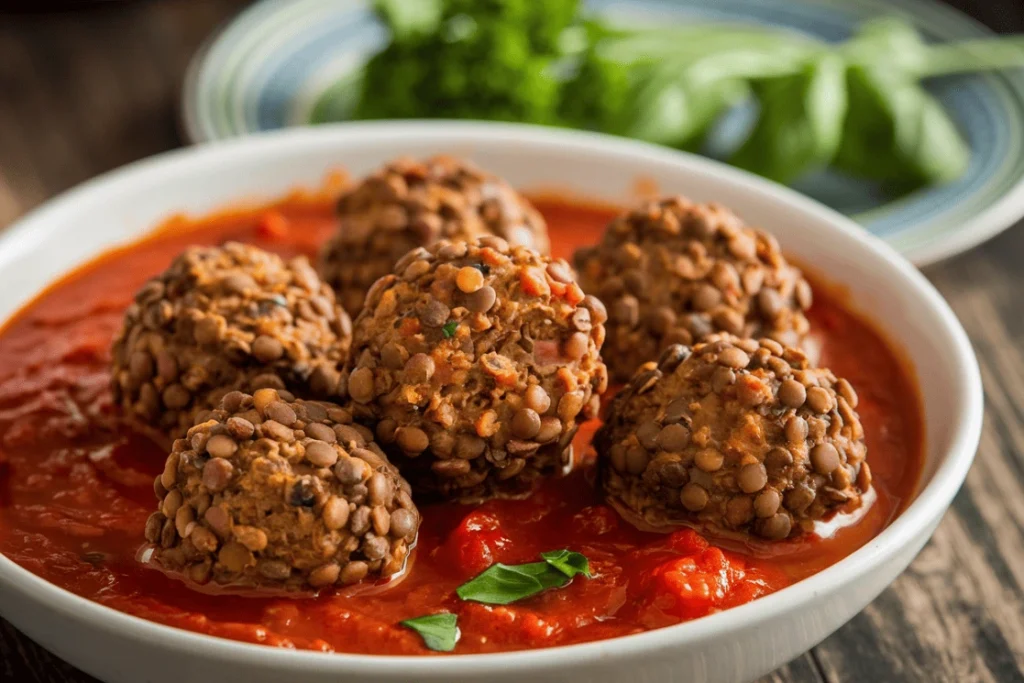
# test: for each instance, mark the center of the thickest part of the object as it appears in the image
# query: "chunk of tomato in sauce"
(691, 586)
(517, 626)
(476, 543)
(686, 541)
(685, 577)
(595, 520)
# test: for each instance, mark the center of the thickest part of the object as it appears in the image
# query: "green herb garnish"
(448, 329)
(568, 562)
(440, 632)
(801, 122)
(858, 106)
(466, 59)
(501, 584)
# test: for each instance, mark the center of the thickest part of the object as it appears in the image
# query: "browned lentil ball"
(476, 363)
(672, 272)
(410, 203)
(736, 437)
(225, 318)
(286, 494)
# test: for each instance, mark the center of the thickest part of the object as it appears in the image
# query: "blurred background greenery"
(858, 107)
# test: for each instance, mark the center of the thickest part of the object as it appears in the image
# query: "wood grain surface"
(83, 92)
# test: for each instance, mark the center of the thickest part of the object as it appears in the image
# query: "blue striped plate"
(282, 60)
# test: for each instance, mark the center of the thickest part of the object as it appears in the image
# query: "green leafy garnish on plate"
(448, 329)
(898, 134)
(858, 106)
(801, 121)
(440, 632)
(481, 60)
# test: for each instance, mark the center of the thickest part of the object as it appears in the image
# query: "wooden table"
(84, 92)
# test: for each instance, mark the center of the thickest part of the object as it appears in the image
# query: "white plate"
(731, 646)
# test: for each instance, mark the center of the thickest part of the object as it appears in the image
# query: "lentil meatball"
(286, 494)
(737, 437)
(672, 272)
(224, 318)
(411, 203)
(476, 363)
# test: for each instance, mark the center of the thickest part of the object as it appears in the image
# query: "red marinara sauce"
(76, 488)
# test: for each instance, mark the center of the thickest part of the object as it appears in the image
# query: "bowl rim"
(917, 519)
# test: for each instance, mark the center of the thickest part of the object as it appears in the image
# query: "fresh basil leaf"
(669, 85)
(896, 133)
(568, 562)
(751, 61)
(888, 42)
(409, 18)
(546, 575)
(671, 109)
(684, 94)
(801, 121)
(440, 632)
(501, 584)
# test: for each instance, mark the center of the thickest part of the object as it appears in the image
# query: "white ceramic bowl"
(735, 645)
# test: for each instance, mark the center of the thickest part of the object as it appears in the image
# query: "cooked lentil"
(492, 405)
(410, 203)
(672, 272)
(225, 318)
(270, 508)
(736, 458)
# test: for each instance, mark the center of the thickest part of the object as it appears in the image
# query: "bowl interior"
(124, 205)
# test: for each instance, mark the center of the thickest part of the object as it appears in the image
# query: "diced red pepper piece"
(573, 294)
(534, 283)
(409, 326)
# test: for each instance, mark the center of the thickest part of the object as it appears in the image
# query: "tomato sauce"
(76, 487)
